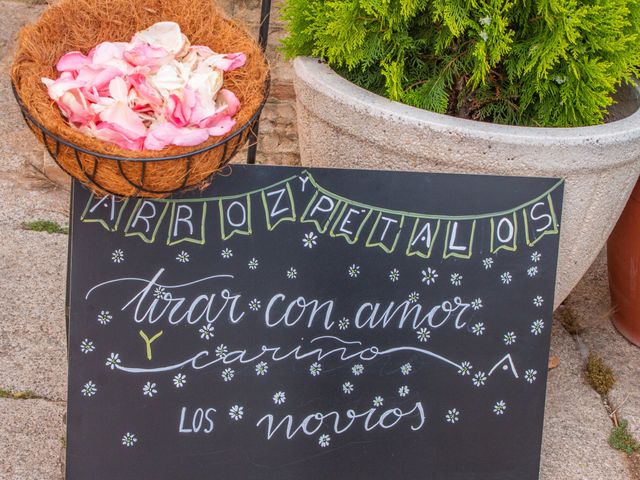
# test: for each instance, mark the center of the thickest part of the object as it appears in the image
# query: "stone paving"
(32, 332)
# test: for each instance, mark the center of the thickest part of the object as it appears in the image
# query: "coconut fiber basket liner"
(105, 168)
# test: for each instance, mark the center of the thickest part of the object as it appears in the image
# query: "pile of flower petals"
(157, 90)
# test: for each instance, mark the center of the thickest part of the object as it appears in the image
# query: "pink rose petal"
(119, 89)
(120, 114)
(98, 76)
(227, 105)
(143, 54)
(106, 52)
(111, 54)
(228, 98)
(222, 126)
(189, 137)
(202, 50)
(146, 93)
(175, 112)
(57, 88)
(125, 118)
(160, 135)
(179, 110)
(91, 94)
(75, 107)
(72, 61)
(228, 61)
(111, 133)
(165, 133)
(204, 110)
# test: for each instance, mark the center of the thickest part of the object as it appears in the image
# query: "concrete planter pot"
(342, 125)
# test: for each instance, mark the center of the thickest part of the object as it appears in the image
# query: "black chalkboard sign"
(313, 324)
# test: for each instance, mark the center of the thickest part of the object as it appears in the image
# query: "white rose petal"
(166, 35)
(169, 77)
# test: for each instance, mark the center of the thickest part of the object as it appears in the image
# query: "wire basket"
(134, 170)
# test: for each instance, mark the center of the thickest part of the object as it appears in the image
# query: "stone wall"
(278, 139)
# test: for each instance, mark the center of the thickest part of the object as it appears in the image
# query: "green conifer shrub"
(522, 62)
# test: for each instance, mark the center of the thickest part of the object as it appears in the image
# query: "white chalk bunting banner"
(301, 198)
(288, 323)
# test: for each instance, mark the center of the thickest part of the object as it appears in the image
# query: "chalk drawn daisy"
(465, 368)
(183, 257)
(538, 301)
(536, 256)
(117, 256)
(354, 271)
(180, 380)
(478, 328)
(530, 375)
(537, 326)
(253, 264)
(357, 369)
(506, 278)
(455, 279)
(159, 292)
(394, 275)
(221, 350)
(324, 440)
(226, 253)
(254, 305)
(279, 398)
(378, 401)
(424, 334)
(149, 389)
(89, 389)
(414, 297)
(292, 273)
(532, 271)
(310, 240)
(347, 387)
(487, 263)
(499, 407)
(236, 412)
(429, 276)
(113, 361)
(228, 374)
(315, 369)
(509, 338)
(403, 391)
(87, 346)
(129, 439)
(476, 304)
(206, 331)
(452, 416)
(104, 317)
(406, 369)
(343, 324)
(479, 379)
(262, 368)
